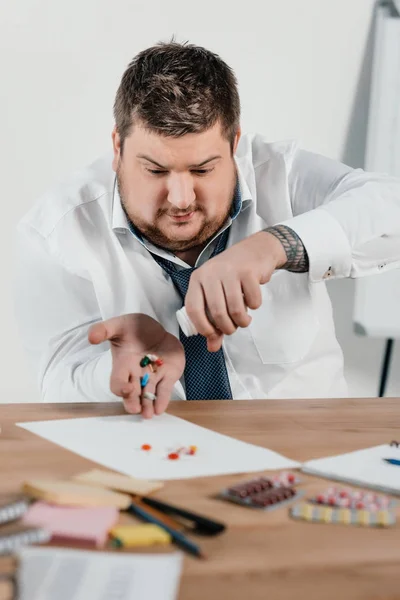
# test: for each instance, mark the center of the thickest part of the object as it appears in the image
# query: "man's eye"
(201, 171)
(156, 171)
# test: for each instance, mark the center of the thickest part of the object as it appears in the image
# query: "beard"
(154, 234)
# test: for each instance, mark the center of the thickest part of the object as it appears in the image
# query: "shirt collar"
(120, 222)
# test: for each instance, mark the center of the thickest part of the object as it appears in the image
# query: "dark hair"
(175, 89)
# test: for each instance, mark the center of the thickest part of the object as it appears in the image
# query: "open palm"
(131, 337)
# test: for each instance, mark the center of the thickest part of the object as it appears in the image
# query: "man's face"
(177, 191)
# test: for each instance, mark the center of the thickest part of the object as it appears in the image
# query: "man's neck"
(190, 256)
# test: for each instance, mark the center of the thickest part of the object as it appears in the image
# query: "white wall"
(298, 64)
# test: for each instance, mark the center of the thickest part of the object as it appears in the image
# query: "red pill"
(173, 455)
(146, 447)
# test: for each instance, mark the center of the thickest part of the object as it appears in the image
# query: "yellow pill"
(363, 517)
(308, 511)
(327, 515)
(344, 516)
(382, 518)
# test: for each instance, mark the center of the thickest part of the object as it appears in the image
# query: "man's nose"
(180, 191)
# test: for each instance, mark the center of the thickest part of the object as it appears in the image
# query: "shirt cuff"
(329, 251)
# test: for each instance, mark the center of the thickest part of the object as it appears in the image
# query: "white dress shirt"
(78, 263)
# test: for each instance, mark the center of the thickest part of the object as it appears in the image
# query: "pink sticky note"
(88, 526)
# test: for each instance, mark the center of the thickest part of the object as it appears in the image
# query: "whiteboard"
(377, 298)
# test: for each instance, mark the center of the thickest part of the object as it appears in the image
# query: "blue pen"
(393, 461)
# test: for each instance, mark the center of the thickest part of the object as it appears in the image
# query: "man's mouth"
(182, 218)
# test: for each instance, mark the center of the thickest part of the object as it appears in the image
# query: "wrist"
(296, 255)
(272, 248)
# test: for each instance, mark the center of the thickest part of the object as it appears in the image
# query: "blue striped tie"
(206, 376)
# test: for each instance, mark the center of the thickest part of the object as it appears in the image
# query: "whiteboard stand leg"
(385, 367)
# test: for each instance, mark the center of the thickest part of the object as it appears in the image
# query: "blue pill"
(144, 380)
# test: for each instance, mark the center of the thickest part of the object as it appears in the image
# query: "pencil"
(166, 519)
(180, 540)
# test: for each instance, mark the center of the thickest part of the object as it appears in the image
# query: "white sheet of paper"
(53, 573)
(115, 442)
(363, 467)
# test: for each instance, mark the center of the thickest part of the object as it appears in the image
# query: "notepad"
(116, 443)
(363, 467)
(85, 526)
(58, 574)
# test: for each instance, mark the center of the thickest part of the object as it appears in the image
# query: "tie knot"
(181, 279)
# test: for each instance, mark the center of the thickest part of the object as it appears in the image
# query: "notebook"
(84, 526)
(365, 468)
(13, 541)
(12, 511)
(58, 574)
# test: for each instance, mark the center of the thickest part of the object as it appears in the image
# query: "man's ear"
(236, 140)
(116, 149)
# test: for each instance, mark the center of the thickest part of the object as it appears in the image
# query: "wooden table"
(261, 555)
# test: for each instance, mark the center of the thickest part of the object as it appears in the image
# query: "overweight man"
(186, 211)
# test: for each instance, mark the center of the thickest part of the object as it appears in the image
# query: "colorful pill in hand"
(152, 357)
(144, 380)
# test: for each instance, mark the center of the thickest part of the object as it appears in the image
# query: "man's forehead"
(190, 149)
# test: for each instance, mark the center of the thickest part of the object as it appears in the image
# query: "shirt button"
(328, 273)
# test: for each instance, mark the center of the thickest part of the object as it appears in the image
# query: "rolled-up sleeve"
(347, 219)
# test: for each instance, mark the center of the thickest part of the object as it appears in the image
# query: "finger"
(217, 308)
(146, 403)
(196, 309)
(132, 403)
(164, 391)
(125, 384)
(235, 302)
(107, 330)
(252, 293)
(131, 397)
(214, 342)
(97, 333)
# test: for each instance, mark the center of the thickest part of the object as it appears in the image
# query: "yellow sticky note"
(140, 535)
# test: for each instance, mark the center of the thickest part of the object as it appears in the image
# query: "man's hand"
(221, 290)
(131, 337)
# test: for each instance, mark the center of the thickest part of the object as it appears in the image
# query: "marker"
(393, 461)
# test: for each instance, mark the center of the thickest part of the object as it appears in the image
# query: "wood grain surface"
(262, 554)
